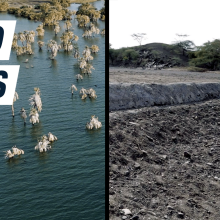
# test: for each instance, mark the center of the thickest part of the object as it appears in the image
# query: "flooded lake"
(66, 182)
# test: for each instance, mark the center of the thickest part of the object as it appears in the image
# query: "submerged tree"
(92, 94)
(67, 25)
(40, 44)
(57, 28)
(87, 54)
(103, 32)
(9, 154)
(83, 93)
(78, 76)
(23, 115)
(72, 88)
(21, 37)
(91, 31)
(40, 30)
(53, 47)
(51, 137)
(20, 50)
(43, 144)
(15, 151)
(67, 39)
(87, 33)
(28, 49)
(83, 20)
(82, 63)
(103, 17)
(94, 49)
(94, 29)
(14, 99)
(76, 51)
(15, 41)
(35, 100)
(28, 37)
(94, 123)
(87, 69)
(34, 116)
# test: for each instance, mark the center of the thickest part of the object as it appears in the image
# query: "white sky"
(161, 20)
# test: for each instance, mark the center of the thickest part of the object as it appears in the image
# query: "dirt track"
(173, 75)
(165, 161)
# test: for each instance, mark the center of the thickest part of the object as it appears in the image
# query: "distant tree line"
(123, 56)
(205, 56)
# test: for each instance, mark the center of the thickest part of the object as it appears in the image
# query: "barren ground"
(172, 75)
(164, 161)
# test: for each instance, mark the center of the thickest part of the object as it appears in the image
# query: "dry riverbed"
(164, 160)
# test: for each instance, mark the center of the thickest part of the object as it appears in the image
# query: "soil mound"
(128, 96)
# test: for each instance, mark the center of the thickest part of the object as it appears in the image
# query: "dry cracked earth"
(164, 162)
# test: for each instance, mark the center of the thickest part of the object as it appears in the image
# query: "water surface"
(68, 181)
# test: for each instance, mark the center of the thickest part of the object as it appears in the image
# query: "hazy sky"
(161, 20)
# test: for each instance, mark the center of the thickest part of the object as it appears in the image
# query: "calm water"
(66, 182)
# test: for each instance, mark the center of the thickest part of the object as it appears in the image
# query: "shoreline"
(19, 3)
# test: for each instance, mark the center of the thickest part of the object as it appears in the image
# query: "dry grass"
(18, 3)
(196, 69)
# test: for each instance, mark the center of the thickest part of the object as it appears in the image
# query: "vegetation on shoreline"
(55, 10)
(19, 3)
(51, 13)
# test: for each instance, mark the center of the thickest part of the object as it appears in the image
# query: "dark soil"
(165, 162)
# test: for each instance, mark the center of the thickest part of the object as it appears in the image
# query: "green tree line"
(206, 56)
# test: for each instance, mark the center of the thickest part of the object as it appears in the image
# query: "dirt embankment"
(163, 87)
(128, 96)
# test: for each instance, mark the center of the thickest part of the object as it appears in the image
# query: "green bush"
(131, 54)
(207, 56)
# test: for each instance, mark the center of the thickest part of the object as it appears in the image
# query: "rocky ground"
(164, 162)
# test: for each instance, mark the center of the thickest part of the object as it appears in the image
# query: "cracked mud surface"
(164, 162)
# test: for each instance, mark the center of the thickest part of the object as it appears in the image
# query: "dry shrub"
(196, 69)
